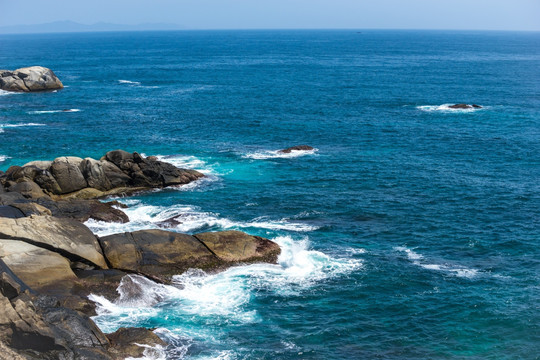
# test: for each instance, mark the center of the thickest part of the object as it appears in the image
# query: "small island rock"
(34, 78)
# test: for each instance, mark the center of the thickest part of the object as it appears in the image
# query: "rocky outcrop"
(118, 172)
(68, 186)
(68, 237)
(49, 266)
(34, 78)
(157, 254)
(465, 106)
(296, 148)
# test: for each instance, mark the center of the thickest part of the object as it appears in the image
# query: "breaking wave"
(449, 269)
(186, 218)
(278, 154)
(447, 108)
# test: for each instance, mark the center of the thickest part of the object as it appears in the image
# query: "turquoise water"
(411, 233)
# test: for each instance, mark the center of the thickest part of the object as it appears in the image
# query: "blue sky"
(288, 14)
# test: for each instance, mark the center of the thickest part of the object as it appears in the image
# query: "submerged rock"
(465, 106)
(34, 78)
(296, 148)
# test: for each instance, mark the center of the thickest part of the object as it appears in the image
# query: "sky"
(284, 14)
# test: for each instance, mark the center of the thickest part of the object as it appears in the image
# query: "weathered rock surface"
(125, 341)
(296, 148)
(68, 237)
(36, 266)
(160, 254)
(157, 254)
(239, 247)
(34, 78)
(117, 172)
(465, 106)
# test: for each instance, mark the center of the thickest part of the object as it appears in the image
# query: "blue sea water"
(412, 232)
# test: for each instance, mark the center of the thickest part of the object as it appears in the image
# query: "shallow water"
(411, 232)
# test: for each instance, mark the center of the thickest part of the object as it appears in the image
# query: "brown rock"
(239, 247)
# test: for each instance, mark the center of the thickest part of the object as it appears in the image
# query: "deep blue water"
(411, 233)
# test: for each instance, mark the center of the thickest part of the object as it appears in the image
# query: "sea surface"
(411, 232)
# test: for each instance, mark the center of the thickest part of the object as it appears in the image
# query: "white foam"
(129, 82)
(53, 111)
(156, 352)
(4, 158)
(447, 108)
(186, 218)
(19, 125)
(278, 154)
(449, 269)
(224, 297)
(4, 92)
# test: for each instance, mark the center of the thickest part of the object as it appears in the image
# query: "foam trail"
(53, 111)
(419, 260)
(185, 218)
(446, 108)
(4, 92)
(4, 158)
(277, 154)
(133, 83)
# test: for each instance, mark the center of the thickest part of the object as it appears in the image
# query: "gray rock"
(94, 174)
(34, 78)
(66, 170)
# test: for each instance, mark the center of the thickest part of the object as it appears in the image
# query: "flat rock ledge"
(68, 186)
(33, 78)
(49, 266)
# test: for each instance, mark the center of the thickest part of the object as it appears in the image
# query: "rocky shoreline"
(50, 262)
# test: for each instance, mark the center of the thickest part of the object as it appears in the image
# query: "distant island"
(71, 26)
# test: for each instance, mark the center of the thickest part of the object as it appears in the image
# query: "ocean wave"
(220, 298)
(186, 218)
(129, 82)
(52, 111)
(277, 154)
(3, 126)
(453, 270)
(4, 92)
(447, 108)
(4, 158)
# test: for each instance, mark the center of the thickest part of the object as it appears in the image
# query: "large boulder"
(34, 78)
(239, 247)
(65, 236)
(67, 172)
(160, 254)
(157, 254)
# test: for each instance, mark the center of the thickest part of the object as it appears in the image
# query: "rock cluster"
(50, 262)
(34, 78)
(67, 186)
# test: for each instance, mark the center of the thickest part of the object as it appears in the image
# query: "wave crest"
(278, 154)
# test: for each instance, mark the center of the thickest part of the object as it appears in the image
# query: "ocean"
(410, 232)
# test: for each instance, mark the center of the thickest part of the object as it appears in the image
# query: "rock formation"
(34, 78)
(465, 106)
(296, 148)
(67, 186)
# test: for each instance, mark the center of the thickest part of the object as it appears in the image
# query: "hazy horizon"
(520, 15)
